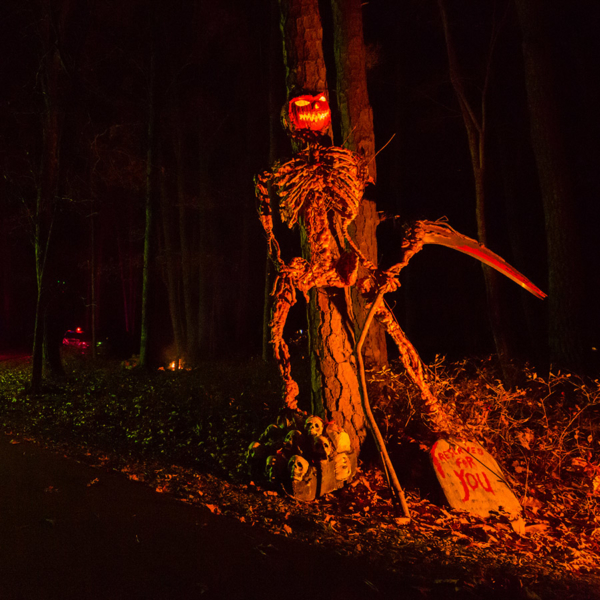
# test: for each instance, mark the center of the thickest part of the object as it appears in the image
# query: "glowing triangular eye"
(301, 102)
(322, 99)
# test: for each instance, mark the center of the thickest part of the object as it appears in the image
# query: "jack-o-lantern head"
(307, 113)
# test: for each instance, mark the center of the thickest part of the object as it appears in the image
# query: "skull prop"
(293, 442)
(323, 446)
(272, 434)
(314, 426)
(342, 468)
(272, 468)
(298, 467)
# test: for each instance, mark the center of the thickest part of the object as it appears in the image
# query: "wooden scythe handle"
(393, 483)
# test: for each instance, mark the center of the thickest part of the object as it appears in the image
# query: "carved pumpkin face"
(309, 113)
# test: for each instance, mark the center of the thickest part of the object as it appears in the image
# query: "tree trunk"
(275, 103)
(188, 273)
(47, 190)
(525, 224)
(358, 135)
(475, 125)
(208, 287)
(335, 389)
(148, 245)
(171, 269)
(6, 320)
(565, 271)
(93, 282)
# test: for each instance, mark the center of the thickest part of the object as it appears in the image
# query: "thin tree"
(44, 212)
(149, 226)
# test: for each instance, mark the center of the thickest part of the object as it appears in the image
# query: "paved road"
(63, 539)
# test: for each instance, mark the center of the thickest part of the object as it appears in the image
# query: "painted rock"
(473, 481)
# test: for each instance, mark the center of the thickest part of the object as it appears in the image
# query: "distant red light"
(79, 330)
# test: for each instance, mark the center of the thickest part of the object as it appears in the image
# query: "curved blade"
(443, 235)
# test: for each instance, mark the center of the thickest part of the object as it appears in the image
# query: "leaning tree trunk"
(565, 276)
(335, 387)
(358, 135)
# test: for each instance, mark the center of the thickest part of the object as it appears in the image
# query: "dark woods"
(118, 115)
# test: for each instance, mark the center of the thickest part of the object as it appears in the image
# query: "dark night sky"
(217, 53)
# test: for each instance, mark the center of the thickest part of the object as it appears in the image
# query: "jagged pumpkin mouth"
(310, 113)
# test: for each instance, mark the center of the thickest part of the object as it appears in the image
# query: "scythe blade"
(442, 234)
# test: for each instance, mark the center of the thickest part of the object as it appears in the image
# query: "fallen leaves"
(548, 447)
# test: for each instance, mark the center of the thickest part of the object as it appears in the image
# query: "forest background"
(111, 110)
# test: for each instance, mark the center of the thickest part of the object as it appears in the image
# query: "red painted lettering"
(438, 466)
(461, 477)
(472, 481)
(487, 486)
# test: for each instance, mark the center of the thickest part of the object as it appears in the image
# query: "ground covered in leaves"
(186, 432)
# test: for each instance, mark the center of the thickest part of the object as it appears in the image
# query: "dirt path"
(68, 531)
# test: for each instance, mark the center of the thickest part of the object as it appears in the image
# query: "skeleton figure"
(321, 187)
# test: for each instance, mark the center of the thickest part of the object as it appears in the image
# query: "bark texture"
(358, 135)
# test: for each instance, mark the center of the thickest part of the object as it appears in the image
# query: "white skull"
(341, 467)
(341, 440)
(325, 444)
(298, 467)
(271, 468)
(314, 426)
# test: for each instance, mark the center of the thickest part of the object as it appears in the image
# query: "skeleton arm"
(265, 213)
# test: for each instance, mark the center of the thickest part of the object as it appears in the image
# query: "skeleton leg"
(434, 413)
